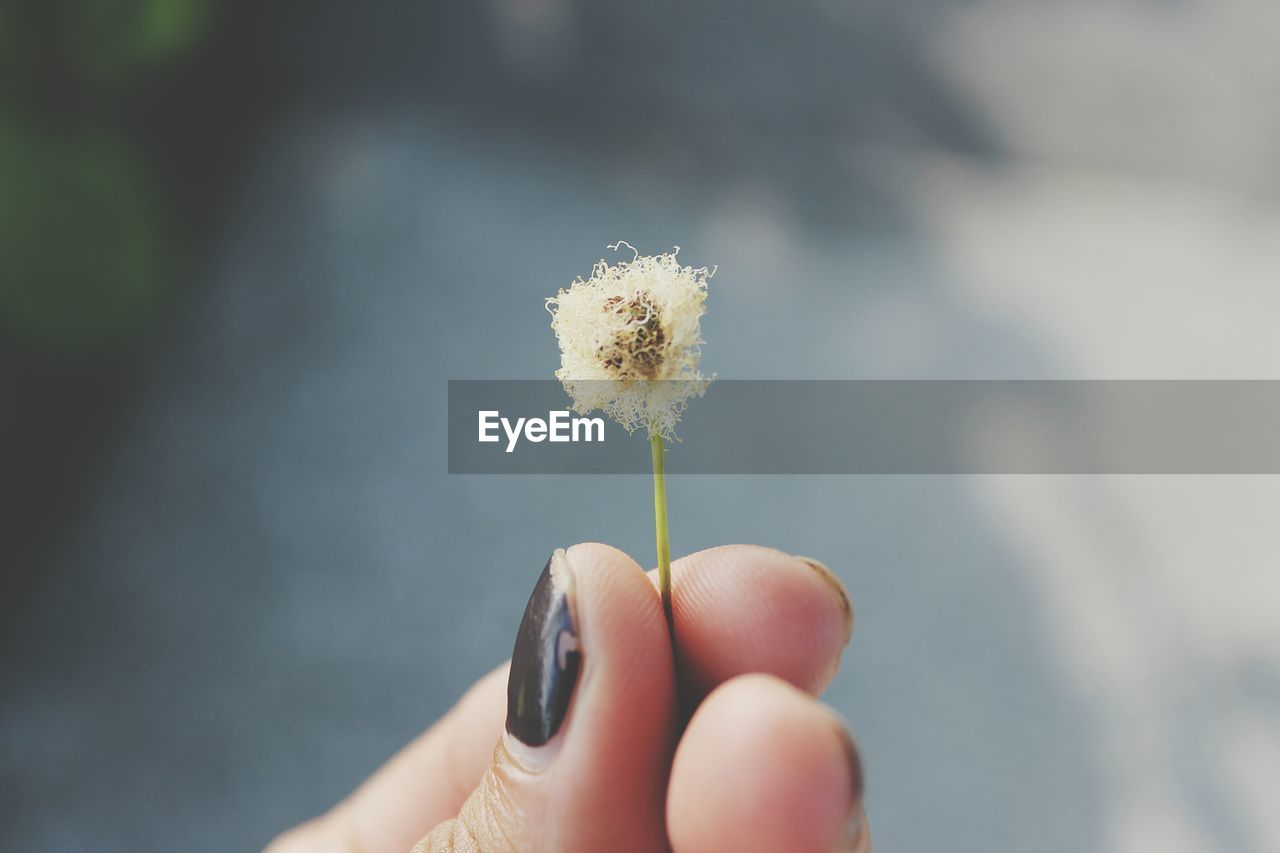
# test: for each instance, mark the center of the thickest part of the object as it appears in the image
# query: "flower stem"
(660, 525)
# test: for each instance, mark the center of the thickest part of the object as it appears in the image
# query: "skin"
(727, 750)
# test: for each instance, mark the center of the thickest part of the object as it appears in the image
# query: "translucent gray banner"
(885, 427)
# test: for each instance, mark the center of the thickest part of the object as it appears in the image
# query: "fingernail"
(857, 834)
(854, 826)
(546, 659)
(832, 580)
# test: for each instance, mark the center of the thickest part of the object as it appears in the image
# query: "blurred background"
(244, 245)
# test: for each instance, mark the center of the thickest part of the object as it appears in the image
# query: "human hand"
(595, 755)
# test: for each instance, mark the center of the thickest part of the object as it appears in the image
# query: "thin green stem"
(660, 524)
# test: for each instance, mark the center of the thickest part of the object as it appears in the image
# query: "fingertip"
(763, 766)
(838, 592)
(747, 608)
(618, 612)
(601, 553)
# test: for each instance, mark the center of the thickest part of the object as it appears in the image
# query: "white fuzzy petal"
(630, 340)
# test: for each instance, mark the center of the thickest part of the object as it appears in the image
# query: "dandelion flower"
(630, 339)
(629, 345)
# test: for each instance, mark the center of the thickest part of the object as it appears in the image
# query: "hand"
(595, 756)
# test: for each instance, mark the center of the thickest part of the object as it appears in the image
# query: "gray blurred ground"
(274, 584)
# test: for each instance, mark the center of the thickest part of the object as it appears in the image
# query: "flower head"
(630, 339)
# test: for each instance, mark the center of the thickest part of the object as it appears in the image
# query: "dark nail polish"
(547, 657)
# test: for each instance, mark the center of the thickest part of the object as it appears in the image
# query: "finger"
(744, 608)
(763, 767)
(584, 759)
(423, 784)
(737, 611)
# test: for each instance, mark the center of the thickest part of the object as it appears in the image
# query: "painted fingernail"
(833, 582)
(546, 659)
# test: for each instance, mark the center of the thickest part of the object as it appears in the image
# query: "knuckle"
(452, 836)
(492, 820)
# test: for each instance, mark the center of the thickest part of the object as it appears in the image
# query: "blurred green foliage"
(116, 38)
(85, 260)
(96, 41)
(6, 33)
(80, 248)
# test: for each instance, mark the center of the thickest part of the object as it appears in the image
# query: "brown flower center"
(636, 351)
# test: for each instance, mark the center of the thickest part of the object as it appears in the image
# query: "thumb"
(584, 760)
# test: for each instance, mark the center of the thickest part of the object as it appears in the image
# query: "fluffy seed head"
(630, 339)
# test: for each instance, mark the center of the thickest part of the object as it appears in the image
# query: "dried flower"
(629, 345)
(630, 339)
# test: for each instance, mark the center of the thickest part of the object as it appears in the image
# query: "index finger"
(747, 609)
